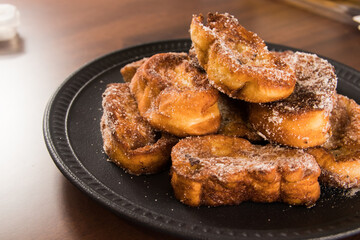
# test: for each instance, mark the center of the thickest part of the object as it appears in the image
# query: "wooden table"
(55, 39)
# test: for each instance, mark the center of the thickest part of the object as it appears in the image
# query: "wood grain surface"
(58, 37)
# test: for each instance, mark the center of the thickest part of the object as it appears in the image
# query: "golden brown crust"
(302, 119)
(128, 139)
(238, 62)
(345, 125)
(339, 156)
(129, 70)
(220, 170)
(234, 121)
(174, 95)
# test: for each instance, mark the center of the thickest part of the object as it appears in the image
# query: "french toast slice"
(174, 96)
(339, 156)
(302, 119)
(129, 70)
(217, 170)
(232, 111)
(238, 62)
(128, 140)
(233, 119)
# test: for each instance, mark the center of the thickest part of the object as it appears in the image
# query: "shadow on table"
(12, 47)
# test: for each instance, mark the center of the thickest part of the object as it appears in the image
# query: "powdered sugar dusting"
(264, 159)
(315, 86)
(244, 51)
(352, 192)
(122, 117)
(313, 98)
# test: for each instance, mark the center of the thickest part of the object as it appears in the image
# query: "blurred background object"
(9, 21)
(12, 46)
(347, 11)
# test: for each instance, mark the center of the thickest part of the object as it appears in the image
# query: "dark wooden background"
(58, 37)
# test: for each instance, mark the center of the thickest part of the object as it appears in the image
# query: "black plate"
(72, 135)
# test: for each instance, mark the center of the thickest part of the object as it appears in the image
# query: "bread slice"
(217, 170)
(234, 119)
(238, 62)
(339, 156)
(130, 141)
(129, 70)
(302, 119)
(174, 96)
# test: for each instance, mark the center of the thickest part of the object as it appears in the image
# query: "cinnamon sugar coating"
(130, 141)
(292, 102)
(220, 170)
(174, 96)
(233, 112)
(302, 119)
(238, 62)
(339, 156)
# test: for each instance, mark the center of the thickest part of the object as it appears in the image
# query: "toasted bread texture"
(221, 170)
(130, 141)
(302, 119)
(238, 62)
(339, 156)
(129, 70)
(174, 96)
(234, 119)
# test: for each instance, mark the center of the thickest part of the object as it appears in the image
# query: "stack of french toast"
(235, 121)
